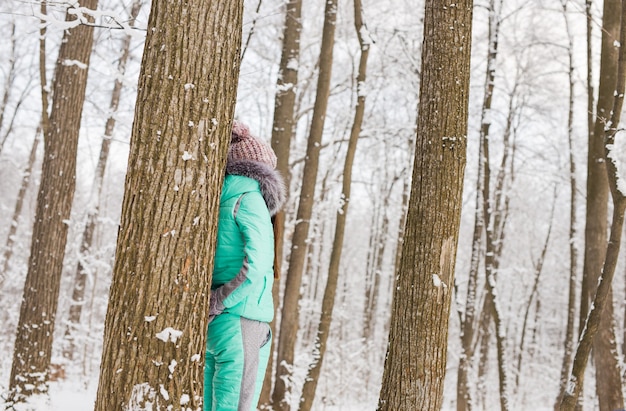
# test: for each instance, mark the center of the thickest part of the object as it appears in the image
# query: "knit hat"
(245, 146)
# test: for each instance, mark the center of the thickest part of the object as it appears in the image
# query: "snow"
(392, 87)
(169, 334)
(76, 63)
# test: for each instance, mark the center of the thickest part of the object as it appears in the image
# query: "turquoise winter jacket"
(243, 273)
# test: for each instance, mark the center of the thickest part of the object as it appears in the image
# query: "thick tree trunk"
(328, 302)
(33, 344)
(155, 328)
(290, 311)
(416, 356)
(83, 270)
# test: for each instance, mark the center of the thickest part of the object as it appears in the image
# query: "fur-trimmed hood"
(270, 181)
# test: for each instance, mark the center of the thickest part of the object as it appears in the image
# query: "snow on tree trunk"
(156, 322)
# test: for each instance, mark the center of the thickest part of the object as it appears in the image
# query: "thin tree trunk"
(83, 270)
(290, 310)
(538, 265)
(496, 219)
(608, 378)
(328, 302)
(603, 292)
(43, 128)
(373, 289)
(464, 401)
(156, 322)
(33, 345)
(573, 249)
(10, 77)
(19, 204)
(283, 131)
(370, 270)
(416, 357)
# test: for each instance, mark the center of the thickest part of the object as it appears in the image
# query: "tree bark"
(416, 356)
(290, 310)
(156, 322)
(33, 344)
(328, 301)
(83, 269)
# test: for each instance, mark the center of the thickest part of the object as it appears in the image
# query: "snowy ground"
(80, 396)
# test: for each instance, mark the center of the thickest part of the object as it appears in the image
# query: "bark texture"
(416, 357)
(155, 328)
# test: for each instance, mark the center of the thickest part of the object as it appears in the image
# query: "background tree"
(156, 322)
(416, 357)
(573, 248)
(290, 310)
(283, 131)
(530, 107)
(35, 330)
(84, 267)
(608, 378)
(330, 291)
(602, 299)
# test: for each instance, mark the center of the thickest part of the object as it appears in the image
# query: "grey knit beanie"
(245, 146)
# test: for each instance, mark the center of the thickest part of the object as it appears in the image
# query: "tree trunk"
(283, 130)
(372, 291)
(538, 266)
(416, 357)
(156, 322)
(43, 128)
(33, 344)
(10, 77)
(602, 299)
(83, 270)
(464, 402)
(19, 204)
(608, 379)
(328, 302)
(568, 344)
(290, 310)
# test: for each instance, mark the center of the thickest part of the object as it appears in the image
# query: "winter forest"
(451, 238)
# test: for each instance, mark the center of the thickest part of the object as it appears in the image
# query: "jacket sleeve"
(255, 226)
